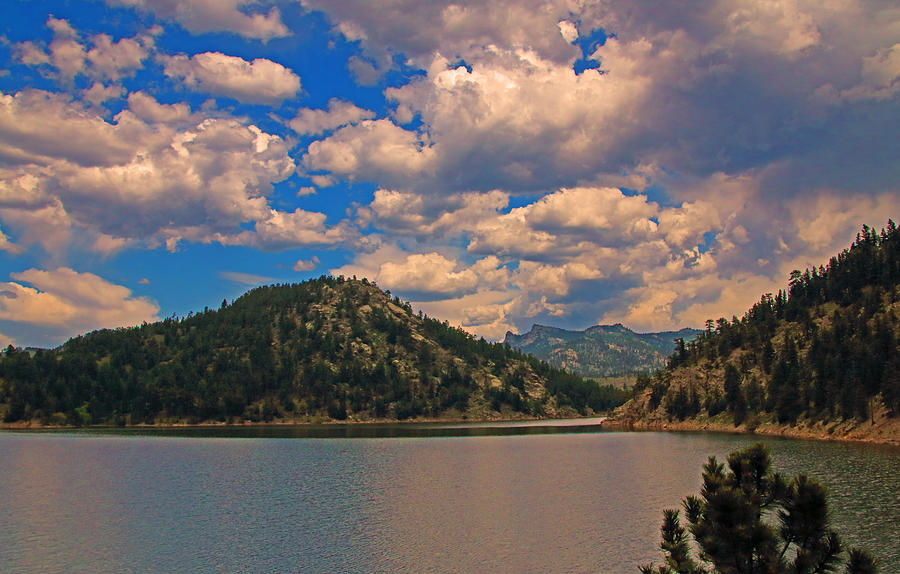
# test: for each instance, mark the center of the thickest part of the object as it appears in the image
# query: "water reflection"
(563, 500)
(353, 430)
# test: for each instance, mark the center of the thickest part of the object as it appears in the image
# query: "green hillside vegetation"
(326, 349)
(826, 349)
(601, 351)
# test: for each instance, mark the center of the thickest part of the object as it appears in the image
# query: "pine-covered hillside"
(330, 348)
(824, 352)
(601, 350)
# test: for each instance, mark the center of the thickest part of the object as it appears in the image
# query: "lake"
(520, 498)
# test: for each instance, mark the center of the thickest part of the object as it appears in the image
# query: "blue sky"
(497, 164)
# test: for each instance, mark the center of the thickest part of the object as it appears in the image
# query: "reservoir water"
(390, 498)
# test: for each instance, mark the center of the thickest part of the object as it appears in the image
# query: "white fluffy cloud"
(512, 121)
(99, 93)
(116, 59)
(750, 136)
(572, 221)
(64, 302)
(432, 274)
(339, 113)
(148, 109)
(457, 29)
(745, 175)
(423, 216)
(214, 16)
(584, 255)
(306, 264)
(675, 88)
(291, 229)
(99, 56)
(372, 150)
(38, 126)
(188, 175)
(261, 81)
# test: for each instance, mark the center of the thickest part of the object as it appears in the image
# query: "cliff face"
(601, 350)
(330, 348)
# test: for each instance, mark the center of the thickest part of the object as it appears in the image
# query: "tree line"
(329, 348)
(827, 347)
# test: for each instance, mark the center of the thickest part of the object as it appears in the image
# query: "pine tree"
(728, 523)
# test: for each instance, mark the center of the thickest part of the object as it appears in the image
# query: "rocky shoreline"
(882, 429)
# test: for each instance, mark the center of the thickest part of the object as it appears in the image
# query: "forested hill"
(823, 351)
(330, 348)
(601, 350)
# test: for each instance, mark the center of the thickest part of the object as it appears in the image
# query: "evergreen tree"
(728, 523)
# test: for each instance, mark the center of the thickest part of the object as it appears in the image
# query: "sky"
(497, 164)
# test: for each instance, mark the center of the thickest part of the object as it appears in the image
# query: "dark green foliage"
(733, 535)
(328, 348)
(829, 347)
(735, 401)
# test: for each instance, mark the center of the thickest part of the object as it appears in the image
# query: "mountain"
(823, 355)
(599, 351)
(330, 348)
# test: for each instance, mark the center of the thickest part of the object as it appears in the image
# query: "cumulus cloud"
(880, 76)
(114, 60)
(710, 150)
(577, 220)
(782, 26)
(457, 29)
(47, 225)
(259, 81)
(510, 120)
(214, 16)
(224, 169)
(63, 302)
(555, 250)
(584, 255)
(423, 216)
(7, 245)
(739, 170)
(568, 30)
(38, 126)
(148, 109)
(99, 93)
(281, 229)
(190, 176)
(339, 113)
(306, 264)
(431, 274)
(675, 88)
(435, 273)
(487, 313)
(98, 56)
(376, 150)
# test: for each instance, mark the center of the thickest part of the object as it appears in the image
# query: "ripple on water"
(565, 502)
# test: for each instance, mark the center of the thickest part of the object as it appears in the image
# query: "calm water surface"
(407, 498)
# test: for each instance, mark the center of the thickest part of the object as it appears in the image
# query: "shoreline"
(885, 432)
(36, 425)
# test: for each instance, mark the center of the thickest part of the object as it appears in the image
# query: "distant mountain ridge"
(601, 350)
